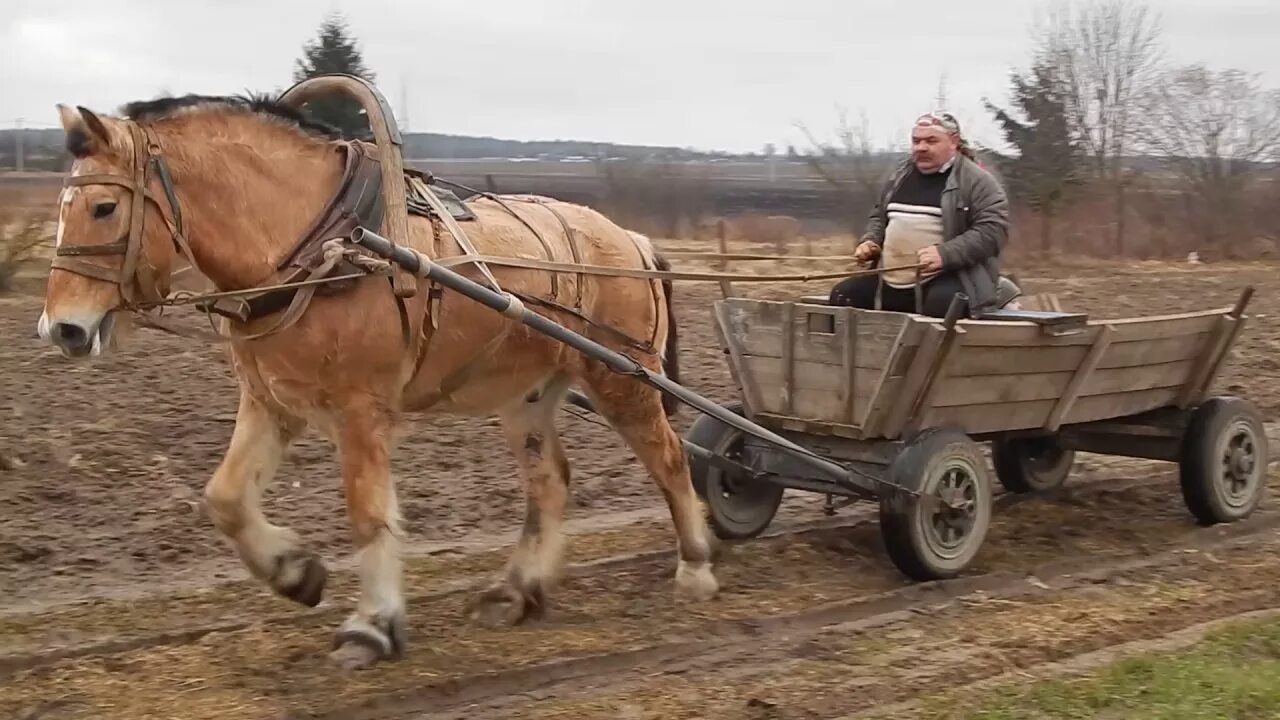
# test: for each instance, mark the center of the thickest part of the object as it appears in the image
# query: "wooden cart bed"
(864, 374)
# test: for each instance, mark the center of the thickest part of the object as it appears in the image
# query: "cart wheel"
(937, 534)
(1224, 460)
(739, 508)
(1031, 464)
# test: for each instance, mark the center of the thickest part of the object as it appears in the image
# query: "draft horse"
(229, 186)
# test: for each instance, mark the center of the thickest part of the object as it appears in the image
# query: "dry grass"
(24, 233)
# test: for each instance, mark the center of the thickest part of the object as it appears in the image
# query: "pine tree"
(334, 50)
(1048, 164)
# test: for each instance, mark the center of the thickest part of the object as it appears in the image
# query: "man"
(940, 210)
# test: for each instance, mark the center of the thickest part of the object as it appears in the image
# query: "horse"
(227, 185)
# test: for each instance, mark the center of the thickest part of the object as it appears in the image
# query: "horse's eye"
(102, 210)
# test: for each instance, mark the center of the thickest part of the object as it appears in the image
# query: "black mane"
(257, 104)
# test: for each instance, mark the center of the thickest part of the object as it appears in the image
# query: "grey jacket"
(975, 227)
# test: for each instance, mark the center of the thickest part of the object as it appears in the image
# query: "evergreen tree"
(1048, 164)
(334, 50)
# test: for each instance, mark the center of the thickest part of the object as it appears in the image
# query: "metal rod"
(422, 266)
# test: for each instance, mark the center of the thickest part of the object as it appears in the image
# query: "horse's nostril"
(70, 335)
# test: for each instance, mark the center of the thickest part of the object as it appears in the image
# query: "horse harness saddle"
(357, 202)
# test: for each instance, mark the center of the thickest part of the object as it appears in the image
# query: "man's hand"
(930, 258)
(866, 250)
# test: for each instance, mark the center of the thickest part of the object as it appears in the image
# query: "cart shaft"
(422, 266)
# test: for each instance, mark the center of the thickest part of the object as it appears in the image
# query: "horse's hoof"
(361, 644)
(695, 582)
(308, 589)
(505, 605)
(352, 656)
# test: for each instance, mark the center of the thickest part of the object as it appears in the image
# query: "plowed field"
(120, 601)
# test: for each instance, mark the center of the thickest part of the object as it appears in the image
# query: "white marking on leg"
(234, 496)
(380, 594)
(696, 581)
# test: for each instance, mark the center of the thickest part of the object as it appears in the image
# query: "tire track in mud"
(608, 618)
(768, 654)
(452, 568)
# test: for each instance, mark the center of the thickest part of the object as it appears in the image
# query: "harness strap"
(459, 235)
(568, 235)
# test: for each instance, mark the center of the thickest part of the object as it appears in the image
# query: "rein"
(142, 290)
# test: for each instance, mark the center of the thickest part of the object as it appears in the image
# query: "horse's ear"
(85, 132)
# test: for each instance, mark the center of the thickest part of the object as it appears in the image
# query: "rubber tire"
(901, 515)
(729, 522)
(1018, 473)
(1200, 465)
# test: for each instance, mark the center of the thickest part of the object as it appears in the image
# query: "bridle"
(140, 286)
(137, 279)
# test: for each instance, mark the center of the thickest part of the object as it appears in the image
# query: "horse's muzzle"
(75, 337)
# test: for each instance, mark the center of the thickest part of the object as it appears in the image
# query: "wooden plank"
(924, 400)
(737, 368)
(1079, 378)
(1026, 387)
(1204, 363)
(986, 361)
(788, 356)
(756, 325)
(1207, 386)
(914, 381)
(809, 427)
(1026, 334)
(1034, 414)
(849, 364)
(880, 403)
(769, 376)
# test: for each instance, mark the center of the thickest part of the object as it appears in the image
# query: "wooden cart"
(891, 407)
(905, 399)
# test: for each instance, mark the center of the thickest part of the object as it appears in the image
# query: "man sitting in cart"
(940, 210)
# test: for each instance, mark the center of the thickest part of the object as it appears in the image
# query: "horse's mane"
(262, 105)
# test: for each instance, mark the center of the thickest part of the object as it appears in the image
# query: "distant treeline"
(43, 149)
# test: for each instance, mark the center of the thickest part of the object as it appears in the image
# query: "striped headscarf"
(946, 121)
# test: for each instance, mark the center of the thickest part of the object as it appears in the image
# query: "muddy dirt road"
(119, 601)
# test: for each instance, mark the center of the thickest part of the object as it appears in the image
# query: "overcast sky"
(709, 74)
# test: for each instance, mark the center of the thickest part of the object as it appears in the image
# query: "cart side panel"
(1139, 365)
(808, 363)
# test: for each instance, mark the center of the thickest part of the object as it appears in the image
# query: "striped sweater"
(915, 222)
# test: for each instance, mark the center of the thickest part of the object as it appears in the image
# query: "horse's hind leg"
(635, 411)
(272, 554)
(377, 628)
(535, 565)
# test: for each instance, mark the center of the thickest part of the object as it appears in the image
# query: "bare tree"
(1046, 170)
(1216, 131)
(850, 164)
(1106, 52)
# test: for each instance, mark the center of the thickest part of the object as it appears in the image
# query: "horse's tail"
(671, 350)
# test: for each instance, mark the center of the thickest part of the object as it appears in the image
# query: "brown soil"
(119, 600)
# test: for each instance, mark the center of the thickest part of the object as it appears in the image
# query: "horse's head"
(117, 232)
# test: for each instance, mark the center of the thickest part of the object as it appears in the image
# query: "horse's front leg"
(272, 554)
(377, 628)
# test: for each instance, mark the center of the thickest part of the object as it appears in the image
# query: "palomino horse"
(249, 178)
